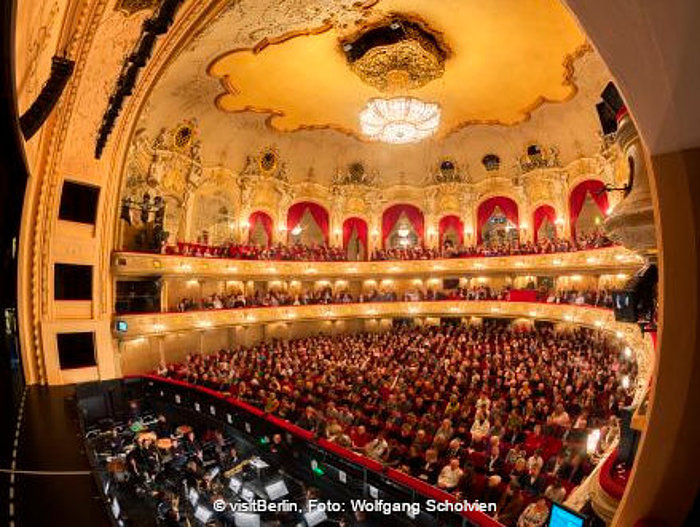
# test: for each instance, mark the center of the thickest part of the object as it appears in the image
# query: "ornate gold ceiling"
(506, 58)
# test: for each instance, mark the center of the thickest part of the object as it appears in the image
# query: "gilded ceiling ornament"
(448, 172)
(354, 174)
(396, 54)
(268, 160)
(129, 7)
(405, 65)
(536, 156)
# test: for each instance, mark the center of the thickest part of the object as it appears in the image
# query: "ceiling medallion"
(399, 120)
(397, 54)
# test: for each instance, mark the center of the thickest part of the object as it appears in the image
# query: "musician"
(161, 427)
(191, 446)
(143, 460)
(169, 512)
(231, 459)
(278, 449)
(192, 475)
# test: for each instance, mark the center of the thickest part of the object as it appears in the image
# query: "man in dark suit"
(555, 465)
(494, 463)
(533, 482)
(511, 504)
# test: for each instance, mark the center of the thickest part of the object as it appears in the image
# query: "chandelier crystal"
(399, 120)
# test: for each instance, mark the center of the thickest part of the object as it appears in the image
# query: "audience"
(326, 295)
(298, 252)
(546, 246)
(412, 398)
(295, 252)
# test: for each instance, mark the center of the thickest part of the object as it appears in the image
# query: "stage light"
(592, 441)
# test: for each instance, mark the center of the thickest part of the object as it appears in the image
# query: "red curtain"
(265, 219)
(451, 222)
(486, 208)
(320, 215)
(523, 295)
(360, 226)
(393, 213)
(597, 191)
(541, 213)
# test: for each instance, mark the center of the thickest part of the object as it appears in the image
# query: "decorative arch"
(213, 217)
(315, 215)
(260, 222)
(542, 213)
(486, 209)
(448, 225)
(355, 238)
(392, 215)
(590, 187)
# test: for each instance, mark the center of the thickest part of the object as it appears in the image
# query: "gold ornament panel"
(498, 72)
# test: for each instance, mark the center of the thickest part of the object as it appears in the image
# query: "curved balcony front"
(604, 260)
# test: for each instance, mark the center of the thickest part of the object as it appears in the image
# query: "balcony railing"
(605, 260)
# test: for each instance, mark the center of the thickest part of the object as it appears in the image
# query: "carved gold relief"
(449, 202)
(404, 64)
(355, 206)
(129, 7)
(327, 93)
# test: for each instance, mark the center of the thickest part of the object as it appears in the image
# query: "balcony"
(605, 260)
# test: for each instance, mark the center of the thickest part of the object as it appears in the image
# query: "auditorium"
(299, 263)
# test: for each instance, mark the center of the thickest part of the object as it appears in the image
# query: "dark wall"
(13, 178)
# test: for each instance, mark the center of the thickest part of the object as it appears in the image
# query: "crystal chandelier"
(399, 120)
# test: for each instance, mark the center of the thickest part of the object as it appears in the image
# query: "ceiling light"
(399, 120)
(296, 231)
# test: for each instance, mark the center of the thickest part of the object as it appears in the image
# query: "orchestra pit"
(298, 263)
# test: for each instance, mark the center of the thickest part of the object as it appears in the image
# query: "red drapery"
(265, 219)
(320, 215)
(486, 208)
(597, 191)
(451, 222)
(541, 213)
(393, 213)
(360, 226)
(523, 295)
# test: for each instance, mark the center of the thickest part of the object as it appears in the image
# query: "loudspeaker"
(72, 282)
(34, 117)
(607, 117)
(76, 350)
(636, 301)
(612, 98)
(78, 202)
(629, 438)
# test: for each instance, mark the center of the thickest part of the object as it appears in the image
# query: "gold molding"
(612, 260)
(568, 65)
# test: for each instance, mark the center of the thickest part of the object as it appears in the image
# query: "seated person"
(378, 448)
(494, 463)
(480, 428)
(556, 492)
(450, 475)
(534, 515)
(431, 469)
(511, 504)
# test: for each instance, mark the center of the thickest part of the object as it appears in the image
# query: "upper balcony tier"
(605, 260)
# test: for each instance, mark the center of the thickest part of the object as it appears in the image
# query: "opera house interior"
(350, 262)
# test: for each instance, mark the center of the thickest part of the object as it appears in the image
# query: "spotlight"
(592, 441)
